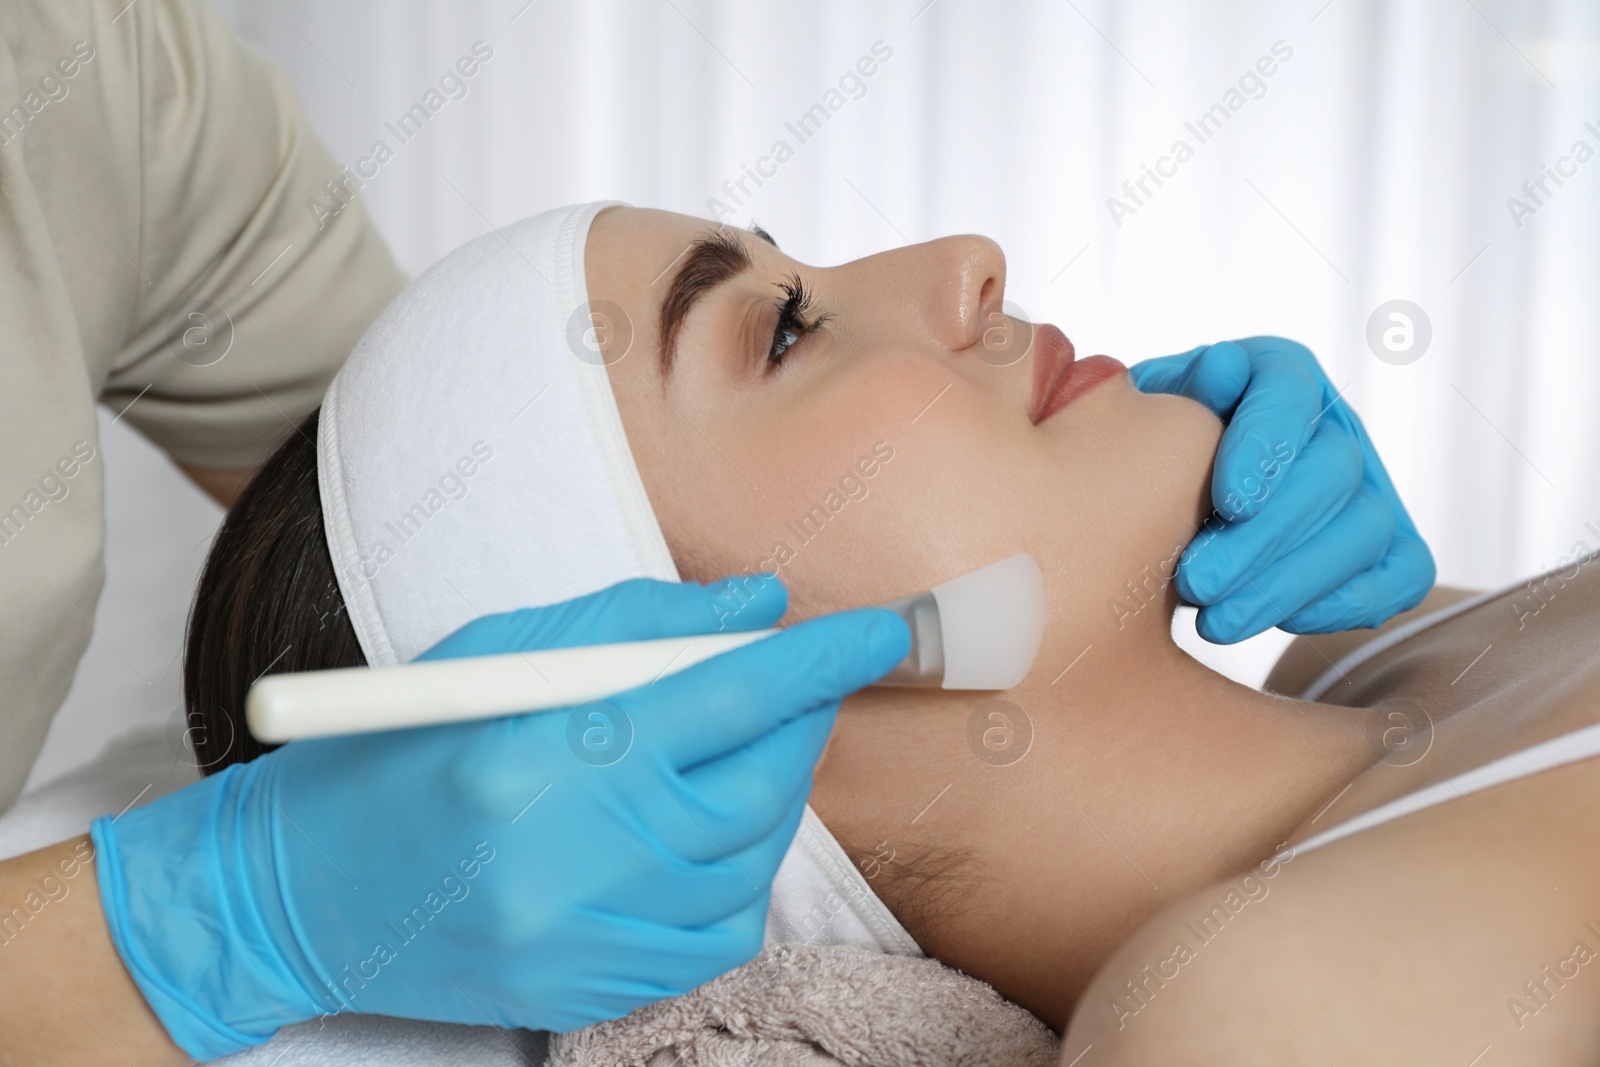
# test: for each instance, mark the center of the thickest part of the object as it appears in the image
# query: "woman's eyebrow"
(714, 257)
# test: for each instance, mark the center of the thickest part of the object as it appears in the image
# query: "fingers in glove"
(1398, 582)
(1163, 374)
(1280, 413)
(689, 892)
(1213, 375)
(727, 804)
(610, 984)
(694, 955)
(1377, 476)
(1348, 545)
(726, 702)
(1305, 496)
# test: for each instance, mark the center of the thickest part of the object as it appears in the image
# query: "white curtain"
(1382, 158)
(1374, 163)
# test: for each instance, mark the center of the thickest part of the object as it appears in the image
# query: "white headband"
(472, 461)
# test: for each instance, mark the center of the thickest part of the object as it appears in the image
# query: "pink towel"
(803, 1006)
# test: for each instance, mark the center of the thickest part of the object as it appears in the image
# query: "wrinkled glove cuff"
(189, 928)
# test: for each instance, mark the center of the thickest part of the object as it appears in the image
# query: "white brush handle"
(282, 707)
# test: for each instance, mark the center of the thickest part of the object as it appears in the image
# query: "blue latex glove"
(483, 872)
(1309, 534)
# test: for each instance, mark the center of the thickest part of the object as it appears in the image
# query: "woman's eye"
(794, 319)
(790, 329)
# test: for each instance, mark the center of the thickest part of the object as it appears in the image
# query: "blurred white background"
(1377, 162)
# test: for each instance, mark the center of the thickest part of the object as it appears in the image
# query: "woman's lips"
(1059, 377)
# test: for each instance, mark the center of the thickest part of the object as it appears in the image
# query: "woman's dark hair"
(267, 601)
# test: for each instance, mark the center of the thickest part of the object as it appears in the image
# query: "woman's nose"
(967, 290)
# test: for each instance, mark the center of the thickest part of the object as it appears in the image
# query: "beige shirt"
(170, 246)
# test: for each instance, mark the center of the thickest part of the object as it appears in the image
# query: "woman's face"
(880, 440)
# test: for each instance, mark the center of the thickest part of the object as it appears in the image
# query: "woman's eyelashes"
(796, 317)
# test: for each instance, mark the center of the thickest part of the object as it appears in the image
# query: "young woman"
(1060, 840)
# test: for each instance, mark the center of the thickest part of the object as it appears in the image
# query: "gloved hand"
(1309, 533)
(547, 871)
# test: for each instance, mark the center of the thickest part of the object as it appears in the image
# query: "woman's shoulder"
(1308, 655)
(1427, 939)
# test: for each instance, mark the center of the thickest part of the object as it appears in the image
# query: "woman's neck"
(1083, 802)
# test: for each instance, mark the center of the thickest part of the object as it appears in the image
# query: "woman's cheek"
(936, 506)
